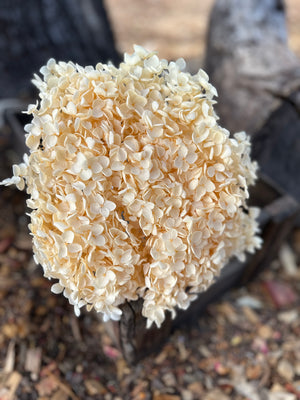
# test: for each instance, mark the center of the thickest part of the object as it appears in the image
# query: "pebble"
(169, 379)
(285, 370)
(249, 301)
(289, 316)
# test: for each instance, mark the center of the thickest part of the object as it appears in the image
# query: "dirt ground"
(245, 347)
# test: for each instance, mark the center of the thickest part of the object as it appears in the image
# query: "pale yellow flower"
(135, 189)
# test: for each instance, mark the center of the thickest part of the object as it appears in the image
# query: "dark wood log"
(276, 146)
(249, 61)
(33, 31)
(258, 80)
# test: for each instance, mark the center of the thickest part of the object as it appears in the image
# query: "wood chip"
(286, 370)
(228, 310)
(265, 331)
(47, 385)
(196, 388)
(33, 361)
(251, 315)
(249, 301)
(282, 396)
(94, 387)
(288, 317)
(9, 385)
(75, 328)
(216, 394)
(10, 358)
(163, 396)
(281, 293)
(59, 395)
(288, 260)
(254, 372)
(111, 352)
(4, 244)
(169, 379)
(10, 330)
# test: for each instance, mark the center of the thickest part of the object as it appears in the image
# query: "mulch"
(245, 346)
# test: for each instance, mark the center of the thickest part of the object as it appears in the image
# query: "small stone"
(285, 370)
(169, 379)
(289, 316)
(277, 388)
(249, 301)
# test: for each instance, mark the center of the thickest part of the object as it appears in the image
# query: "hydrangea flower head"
(135, 189)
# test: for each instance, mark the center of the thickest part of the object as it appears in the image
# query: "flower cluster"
(135, 189)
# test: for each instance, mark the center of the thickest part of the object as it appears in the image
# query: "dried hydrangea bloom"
(135, 189)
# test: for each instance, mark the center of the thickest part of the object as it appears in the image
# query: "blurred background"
(175, 28)
(246, 345)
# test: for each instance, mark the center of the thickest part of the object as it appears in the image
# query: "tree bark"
(257, 77)
(33, 31)
(249, 61)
